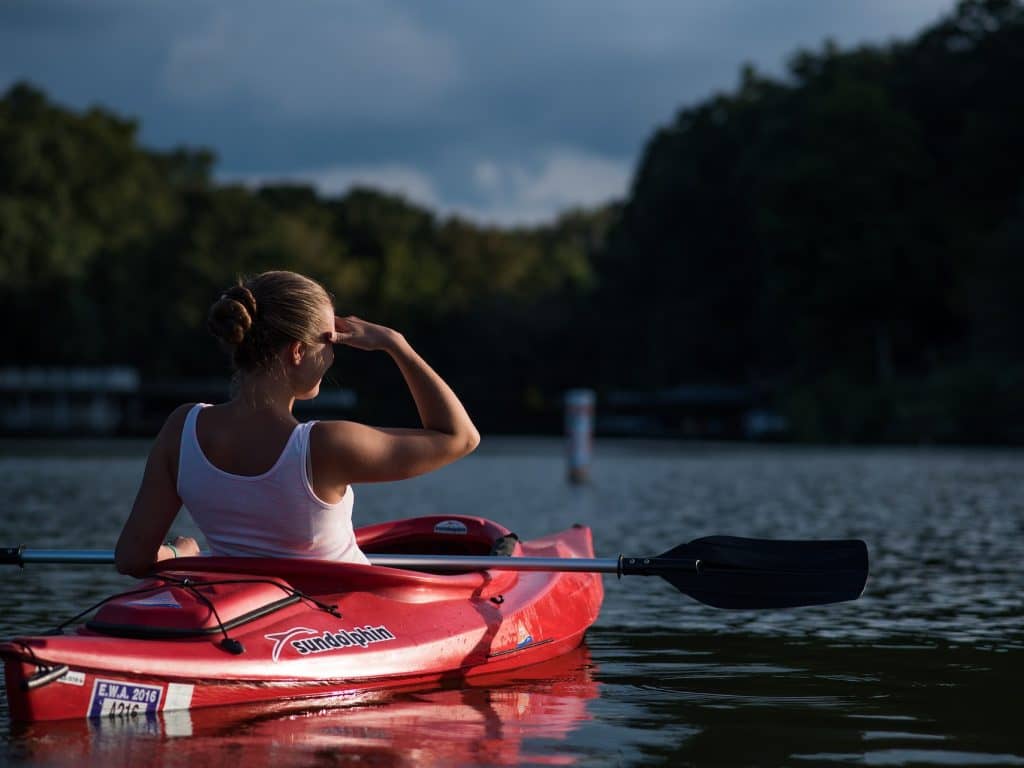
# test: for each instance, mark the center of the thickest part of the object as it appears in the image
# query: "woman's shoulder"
(178, 415)
(336, 444)
(168, 440)
(170, 433)
(331, 433)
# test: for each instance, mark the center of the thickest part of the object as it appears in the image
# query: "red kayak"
(216, 631)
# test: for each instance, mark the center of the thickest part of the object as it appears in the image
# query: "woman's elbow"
(131, 565)
(138, 570)
(472, 440)
(459, 444)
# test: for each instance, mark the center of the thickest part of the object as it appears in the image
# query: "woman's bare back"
(242, 444)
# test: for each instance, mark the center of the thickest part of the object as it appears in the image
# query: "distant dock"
(696, 411)
(117, 400)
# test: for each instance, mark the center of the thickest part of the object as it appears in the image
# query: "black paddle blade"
(734, 572)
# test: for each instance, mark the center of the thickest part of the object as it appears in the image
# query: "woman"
(256, 481)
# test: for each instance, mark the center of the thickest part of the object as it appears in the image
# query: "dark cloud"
(493, 108)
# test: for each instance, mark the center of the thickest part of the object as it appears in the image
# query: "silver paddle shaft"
(433, 562)
(69, 556)
(496, 562)
(618, 565)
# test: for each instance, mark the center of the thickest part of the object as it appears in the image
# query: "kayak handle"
(11, 556)
(44, 676)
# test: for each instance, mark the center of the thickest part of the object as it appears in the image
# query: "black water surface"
(927, 668)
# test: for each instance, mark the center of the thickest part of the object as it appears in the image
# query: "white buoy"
(579, 432)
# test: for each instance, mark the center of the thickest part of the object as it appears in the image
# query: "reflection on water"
(500, 724)
(738, 700)
(925, 669)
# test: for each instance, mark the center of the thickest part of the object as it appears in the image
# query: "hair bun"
(243, 296)
(232, 315)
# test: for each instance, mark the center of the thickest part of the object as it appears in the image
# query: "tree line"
(844, 239)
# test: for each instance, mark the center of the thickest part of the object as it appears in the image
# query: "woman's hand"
(360, 334)
(184, 546)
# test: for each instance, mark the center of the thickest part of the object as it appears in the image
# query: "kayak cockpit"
(453, 535)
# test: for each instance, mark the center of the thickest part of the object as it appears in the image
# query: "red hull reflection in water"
(488, 721)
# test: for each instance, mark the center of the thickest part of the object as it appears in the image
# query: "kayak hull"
(489, 720)
(222, 631)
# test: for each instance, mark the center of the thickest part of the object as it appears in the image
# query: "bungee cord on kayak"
(194, 586)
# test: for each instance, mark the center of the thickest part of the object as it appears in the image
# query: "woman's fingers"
(358, 333)
(185, 545)
(347, 323)
(344, 329)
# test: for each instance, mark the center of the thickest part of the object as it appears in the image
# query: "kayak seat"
(438, 535)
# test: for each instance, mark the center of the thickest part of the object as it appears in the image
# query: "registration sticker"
(456, 527)
(71, 677)
(111, 698)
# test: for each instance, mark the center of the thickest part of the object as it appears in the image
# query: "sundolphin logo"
(280, 638)
(341, 639)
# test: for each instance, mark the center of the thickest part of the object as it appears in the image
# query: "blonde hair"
(259, 315)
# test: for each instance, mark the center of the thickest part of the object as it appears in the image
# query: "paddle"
(721, 571)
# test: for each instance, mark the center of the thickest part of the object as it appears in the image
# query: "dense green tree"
(829, 235)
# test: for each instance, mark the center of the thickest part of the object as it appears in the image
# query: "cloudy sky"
(507, 112)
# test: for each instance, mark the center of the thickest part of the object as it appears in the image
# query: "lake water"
(927, 668)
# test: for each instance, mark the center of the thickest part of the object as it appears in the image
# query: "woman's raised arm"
(346, 452)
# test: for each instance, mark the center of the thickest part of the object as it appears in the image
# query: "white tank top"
(275, 514)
